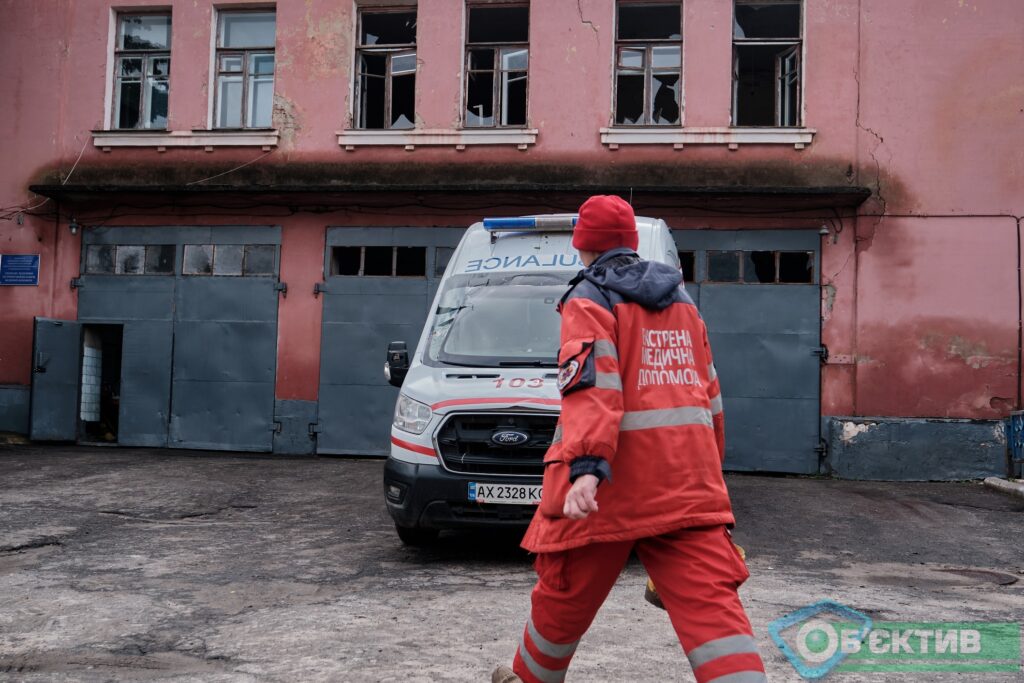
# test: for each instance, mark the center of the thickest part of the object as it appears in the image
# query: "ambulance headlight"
(411, 416)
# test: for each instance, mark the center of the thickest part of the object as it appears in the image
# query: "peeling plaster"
(287, 120)
(851, 430)
(829, 292)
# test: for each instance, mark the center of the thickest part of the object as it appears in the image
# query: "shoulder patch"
(568, 373)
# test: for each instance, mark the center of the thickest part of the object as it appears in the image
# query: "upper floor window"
(386, 63)
(648, 54)
(497, 56)
(766, 68)
(245, 69)
(142, 70)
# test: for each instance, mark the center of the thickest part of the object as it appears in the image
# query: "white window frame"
(112, 90)
(247, 53)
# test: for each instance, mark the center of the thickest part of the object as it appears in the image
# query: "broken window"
(379, 261)
(796, 267)
(648, 53)
(245, 69)
(761, 267)
(386, 63)
(766, 71)
(142, 71)
(497, 56)
(687, 261)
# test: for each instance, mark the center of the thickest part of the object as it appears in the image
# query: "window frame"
(390, 51)
(497, 101)
(647, 70)
(795, 50)
(334, 267)
(147, 56)
(247, 54)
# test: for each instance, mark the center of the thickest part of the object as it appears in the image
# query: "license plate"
(504, 494)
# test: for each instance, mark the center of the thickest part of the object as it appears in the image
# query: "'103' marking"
(517, 382)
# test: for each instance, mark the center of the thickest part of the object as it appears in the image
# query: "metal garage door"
(199, 313)
(758, 293)
(378, 287)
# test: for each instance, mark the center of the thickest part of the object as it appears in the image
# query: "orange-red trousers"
(697, 572)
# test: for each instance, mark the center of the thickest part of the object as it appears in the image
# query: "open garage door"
(378, 287)
(198, 306)
(759, 295)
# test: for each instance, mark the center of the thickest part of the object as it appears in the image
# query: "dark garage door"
(378, 287)
(758, 293)
(199, 310)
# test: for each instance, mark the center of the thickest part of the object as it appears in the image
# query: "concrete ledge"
(1012, 488)
(915, 449)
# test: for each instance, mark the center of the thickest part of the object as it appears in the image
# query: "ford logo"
(509, 437)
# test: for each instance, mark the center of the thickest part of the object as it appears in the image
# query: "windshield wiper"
(527, 364)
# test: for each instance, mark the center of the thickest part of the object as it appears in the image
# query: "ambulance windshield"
(498, 320)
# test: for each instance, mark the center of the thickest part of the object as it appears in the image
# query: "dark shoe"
(503, 674)
(651, 595)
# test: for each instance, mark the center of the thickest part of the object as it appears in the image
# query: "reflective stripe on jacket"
(640, 391)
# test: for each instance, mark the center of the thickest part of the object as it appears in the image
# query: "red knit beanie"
(606, 222)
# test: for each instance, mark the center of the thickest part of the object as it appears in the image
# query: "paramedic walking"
(635, 464)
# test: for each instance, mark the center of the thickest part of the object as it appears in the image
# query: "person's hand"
(581, 499)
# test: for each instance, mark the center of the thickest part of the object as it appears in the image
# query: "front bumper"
(433, 498)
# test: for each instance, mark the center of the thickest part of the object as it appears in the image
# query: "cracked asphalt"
(145, 565)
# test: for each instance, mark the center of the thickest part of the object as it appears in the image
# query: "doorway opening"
(100, 394)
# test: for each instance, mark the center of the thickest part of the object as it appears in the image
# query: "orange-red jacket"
(641, 409)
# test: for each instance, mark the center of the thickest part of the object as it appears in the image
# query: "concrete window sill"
(732, 137)
(207, 139)
(521, 138)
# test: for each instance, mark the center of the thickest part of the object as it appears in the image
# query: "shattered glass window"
(796, 267)
(142, 71)
(648, 72)
(767, 49)
(497, 61)
(386, 70)
(687, 263)
(379, 261)
(759, 266)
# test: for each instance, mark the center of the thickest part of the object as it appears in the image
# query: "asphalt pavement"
(122, 564)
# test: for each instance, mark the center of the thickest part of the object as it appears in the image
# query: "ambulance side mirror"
(397, 364)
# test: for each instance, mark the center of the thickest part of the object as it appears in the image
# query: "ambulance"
(479, 401)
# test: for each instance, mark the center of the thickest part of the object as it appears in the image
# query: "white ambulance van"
(479, 401)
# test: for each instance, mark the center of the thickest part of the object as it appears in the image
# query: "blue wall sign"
(19, 269)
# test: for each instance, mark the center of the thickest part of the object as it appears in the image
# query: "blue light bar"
(530, 223)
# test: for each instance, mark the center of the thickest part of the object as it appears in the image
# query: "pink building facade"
(338, 148)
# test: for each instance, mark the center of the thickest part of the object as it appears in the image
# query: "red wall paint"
(299, 313)
(909, 96)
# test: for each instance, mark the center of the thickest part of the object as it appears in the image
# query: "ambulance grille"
(464, 443)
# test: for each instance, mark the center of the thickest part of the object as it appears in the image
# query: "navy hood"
(652, 285)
